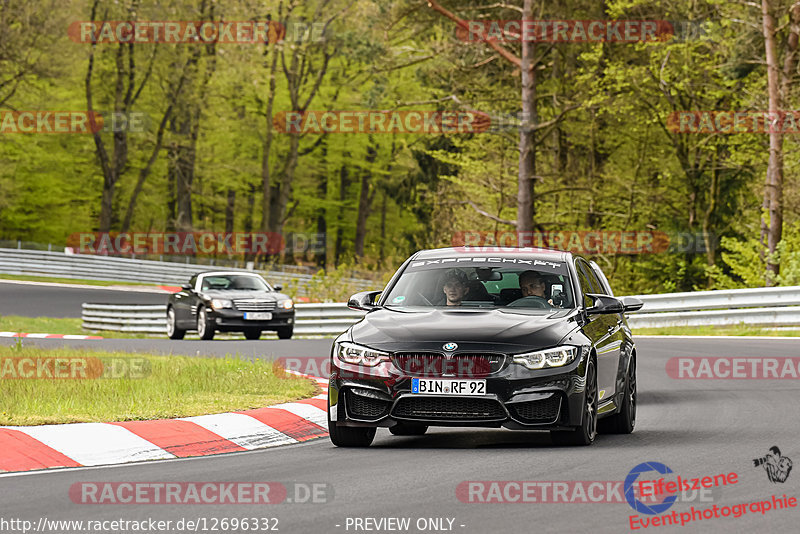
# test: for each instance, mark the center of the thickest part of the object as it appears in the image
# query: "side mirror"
(186, 286)
(364, 300)
(277, 287)
(632, 304)
(605, 304)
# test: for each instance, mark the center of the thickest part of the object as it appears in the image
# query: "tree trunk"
(266, 185)
(364, 204)
(230, 210)
(364, 200)
(382, 251)
(181, 168)
(344, 183)
(778, 86)
(145, 171)
(527, 147)
(322, 194)
(280, 201)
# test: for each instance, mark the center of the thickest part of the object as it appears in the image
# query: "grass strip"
(148, 387)
(61, 325)
(739, 330)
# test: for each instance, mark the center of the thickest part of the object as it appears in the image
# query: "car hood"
(472, 329)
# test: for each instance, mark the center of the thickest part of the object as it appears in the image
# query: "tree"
(779, 85)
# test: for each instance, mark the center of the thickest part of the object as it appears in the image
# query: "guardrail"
(88, 267)
(310, 319)
(770, 307)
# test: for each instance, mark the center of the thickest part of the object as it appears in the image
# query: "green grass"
(172, 386)
(32, 278)
(740, 330)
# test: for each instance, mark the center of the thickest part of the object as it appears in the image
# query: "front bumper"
(516, 398)
(230, 320)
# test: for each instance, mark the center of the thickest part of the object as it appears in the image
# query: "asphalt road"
(696, 427)
(55, 300)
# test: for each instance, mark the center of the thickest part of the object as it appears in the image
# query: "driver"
(532, 284)
(455, 287)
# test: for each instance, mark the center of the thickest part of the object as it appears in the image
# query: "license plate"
(258, 316)
(428, 386)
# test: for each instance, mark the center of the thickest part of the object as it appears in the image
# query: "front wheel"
(347, 436)
(204, 327)
(285, 332)
(173, 332)
(624, 421)
(584, 434)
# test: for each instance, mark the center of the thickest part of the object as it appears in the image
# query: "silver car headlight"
(360, 355)
(218, 304)
(543, 359)
(287, 304)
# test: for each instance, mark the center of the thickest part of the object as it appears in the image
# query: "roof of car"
(528, 253)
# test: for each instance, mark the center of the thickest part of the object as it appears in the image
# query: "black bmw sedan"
(525, 339)
(229, 302)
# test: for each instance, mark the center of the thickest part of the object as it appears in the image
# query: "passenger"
(455, 287)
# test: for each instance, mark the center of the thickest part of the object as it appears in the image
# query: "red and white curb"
(24, 448)
(47, 336)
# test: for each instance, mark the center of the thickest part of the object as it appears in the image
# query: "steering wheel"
(530, 302)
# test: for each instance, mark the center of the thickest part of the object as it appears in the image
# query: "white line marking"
(306, 411)
(95, 443)
(52, 470)
(245, 431)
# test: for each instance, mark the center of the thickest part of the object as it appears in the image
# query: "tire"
(252, 333)
(205, 329)
(173, 332)
(346, 436)
(586, 433)
(408, 429)
(285, 332)
(623, 421)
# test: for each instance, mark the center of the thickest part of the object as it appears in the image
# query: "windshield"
(529, 285)
(235, 282)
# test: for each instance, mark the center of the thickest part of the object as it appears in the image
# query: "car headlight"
(286, 304)
(542, 359)
(358, 355)
(218, 304)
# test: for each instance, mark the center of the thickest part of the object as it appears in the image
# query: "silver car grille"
(254, 305)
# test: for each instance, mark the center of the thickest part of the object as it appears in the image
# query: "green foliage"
(606, 158)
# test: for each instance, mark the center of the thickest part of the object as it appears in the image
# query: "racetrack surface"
(696, 427)
(32, 299)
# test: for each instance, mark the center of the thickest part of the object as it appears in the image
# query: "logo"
(777, 467)
(450, 347)
(630, 484)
